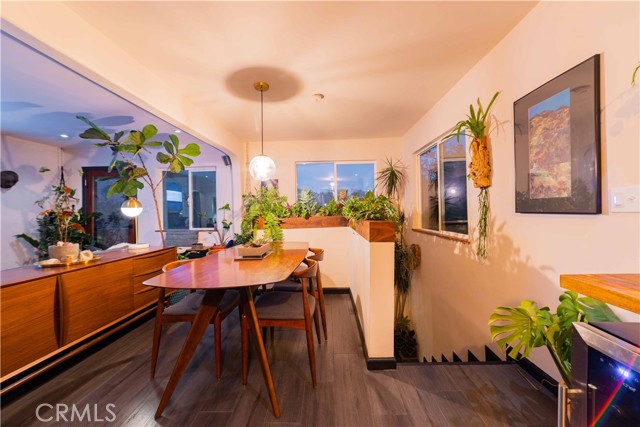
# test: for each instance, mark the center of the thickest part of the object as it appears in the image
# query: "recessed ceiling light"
(318, 97)
(64, 135)
(177, 131)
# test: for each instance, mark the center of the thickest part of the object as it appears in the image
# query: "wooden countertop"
(14, 276)
(621, 290)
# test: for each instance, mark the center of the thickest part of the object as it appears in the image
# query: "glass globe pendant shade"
(262, 168)
(131, 207)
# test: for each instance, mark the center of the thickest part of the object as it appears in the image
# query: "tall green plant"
(391, 179)
(128, 161)
(520, 329)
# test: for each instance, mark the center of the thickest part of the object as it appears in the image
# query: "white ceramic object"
(63, 252)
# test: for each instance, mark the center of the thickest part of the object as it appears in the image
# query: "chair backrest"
(318, 254)
(173, 264)
(310, 271)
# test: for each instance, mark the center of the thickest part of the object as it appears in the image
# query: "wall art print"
(557, 144)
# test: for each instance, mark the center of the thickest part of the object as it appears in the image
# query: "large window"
(335, 180)
(443, 186)
(190, 199)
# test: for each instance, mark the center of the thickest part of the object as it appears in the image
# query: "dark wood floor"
(347, 394)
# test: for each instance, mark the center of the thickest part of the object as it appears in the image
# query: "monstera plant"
(520, 329)
(475, 126)
(127, 159)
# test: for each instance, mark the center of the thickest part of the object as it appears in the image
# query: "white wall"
(285, 154)
(18, 212)
(452, 293)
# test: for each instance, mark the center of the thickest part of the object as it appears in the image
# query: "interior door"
(112, 226)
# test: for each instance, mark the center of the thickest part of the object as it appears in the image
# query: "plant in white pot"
(63, 209)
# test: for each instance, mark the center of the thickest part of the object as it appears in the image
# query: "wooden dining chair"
(291, 310)
(290, 285)
(185, 311)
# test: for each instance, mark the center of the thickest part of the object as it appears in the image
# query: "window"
(190, 199)
(335, 180)
(443, 186)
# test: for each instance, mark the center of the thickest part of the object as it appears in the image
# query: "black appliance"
(605, 372)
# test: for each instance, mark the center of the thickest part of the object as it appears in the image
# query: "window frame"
(335, 172)
(417, 223)
(189, 170)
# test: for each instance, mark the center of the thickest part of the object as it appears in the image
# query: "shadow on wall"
(453, 293)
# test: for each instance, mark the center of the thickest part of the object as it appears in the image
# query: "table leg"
(252, 318)
(205, 313)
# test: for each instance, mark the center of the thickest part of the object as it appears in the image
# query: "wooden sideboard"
(51, 314)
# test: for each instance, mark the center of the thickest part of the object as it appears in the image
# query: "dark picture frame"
(557, 144)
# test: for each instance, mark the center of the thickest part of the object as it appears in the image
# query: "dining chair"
(185, 311)
(291, 310)
(294, 286)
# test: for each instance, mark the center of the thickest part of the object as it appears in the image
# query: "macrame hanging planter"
(480, 166)
(475, 126)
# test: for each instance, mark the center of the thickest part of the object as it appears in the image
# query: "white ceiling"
(380, 65)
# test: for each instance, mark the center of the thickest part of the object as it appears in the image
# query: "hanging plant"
(475, 126)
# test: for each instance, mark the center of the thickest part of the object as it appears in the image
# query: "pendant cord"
(262, 122)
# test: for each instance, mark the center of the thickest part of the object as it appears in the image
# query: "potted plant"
(61, 227)
(519, 329)
(128, 161)
(265, 205)
(475, 126)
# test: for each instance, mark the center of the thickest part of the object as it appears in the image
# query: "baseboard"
(336, 291)
(373, 363)
(380, 363)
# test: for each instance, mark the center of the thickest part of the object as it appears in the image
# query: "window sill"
(444, 235)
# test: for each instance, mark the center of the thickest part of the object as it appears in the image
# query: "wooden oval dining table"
(216, 273)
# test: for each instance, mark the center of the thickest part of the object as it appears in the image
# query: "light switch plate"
(625, 199)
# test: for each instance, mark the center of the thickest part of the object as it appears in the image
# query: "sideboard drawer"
(153, 262)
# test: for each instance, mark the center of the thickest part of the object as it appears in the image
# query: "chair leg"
(244, 331)
(157, 333)
(323, 313)
(312, 356)
(316, 320)
(217, 330)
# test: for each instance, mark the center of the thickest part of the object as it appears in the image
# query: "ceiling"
(379, 65)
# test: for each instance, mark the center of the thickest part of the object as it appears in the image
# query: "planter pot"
(64, 251)
(250, 251)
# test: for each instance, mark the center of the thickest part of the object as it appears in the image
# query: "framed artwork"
(557, 144)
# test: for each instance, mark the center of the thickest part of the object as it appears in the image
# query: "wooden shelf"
(621, 290)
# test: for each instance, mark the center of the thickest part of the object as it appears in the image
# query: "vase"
(65, 251)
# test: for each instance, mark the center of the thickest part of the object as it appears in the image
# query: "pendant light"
(262, 167)
(131, 207)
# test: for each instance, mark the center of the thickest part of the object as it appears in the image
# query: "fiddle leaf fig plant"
(518, 330)
(475, 127)
(127, 159)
